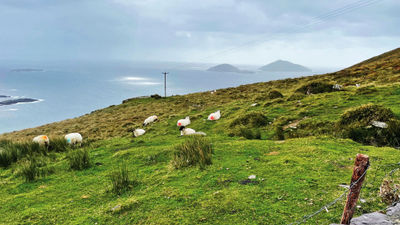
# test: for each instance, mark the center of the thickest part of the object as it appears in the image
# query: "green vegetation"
(120, 180)
(79, 159)
(194, 151)
(298, 146)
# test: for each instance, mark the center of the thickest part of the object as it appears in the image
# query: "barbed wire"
(330, 204)
(326, 207)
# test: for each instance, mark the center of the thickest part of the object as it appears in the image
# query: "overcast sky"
(254, 31)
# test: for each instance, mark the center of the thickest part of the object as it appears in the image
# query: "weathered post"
(359, 172)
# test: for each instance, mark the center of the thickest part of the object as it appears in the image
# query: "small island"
(4, 96)
(227, 68)
(284, 66)
(18, 100)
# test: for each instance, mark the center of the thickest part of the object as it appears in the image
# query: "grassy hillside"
(293, 147)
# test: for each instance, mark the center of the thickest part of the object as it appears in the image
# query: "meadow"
(293, 142)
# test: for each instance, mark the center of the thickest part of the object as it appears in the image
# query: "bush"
(356, 124)
(315, 88)
(79, 159)
(120, 180)
(196, 150)
(250, 120)
(274, 94)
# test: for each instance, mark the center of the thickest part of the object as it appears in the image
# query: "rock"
(252, 177)
(337, 87)
(116, 207)
(254, 104)
(371, 219)
(379, 124)
(394, 212)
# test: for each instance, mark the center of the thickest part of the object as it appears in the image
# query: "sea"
(70, 89)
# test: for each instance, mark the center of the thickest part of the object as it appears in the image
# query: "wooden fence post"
(360, 166)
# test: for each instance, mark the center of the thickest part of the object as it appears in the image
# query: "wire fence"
(348, 191)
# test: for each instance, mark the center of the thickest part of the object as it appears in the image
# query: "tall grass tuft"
(11, 152)
(59, 145)
(120, 180)
(34, 167)
(195, 150)
(79, 159)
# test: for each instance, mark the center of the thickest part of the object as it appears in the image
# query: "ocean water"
(70, 89)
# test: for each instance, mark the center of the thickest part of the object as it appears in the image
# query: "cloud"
(192, 30)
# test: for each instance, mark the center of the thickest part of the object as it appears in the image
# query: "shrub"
(196, 150)
(355, 124)
(79, 159)
(120, 180)
(274, 94)
(253, 119)
(315, 88)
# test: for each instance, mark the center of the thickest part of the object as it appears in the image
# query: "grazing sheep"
(215, 116)
(74, 139)
(183, 122)
(149, 120)
(213, 92)
(358, 85)
(138, 132)
(189, 131)
(42, 140)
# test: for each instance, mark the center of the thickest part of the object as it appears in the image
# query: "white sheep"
(74, 139)
(138, 132)
(183, 122)
(215, 116)
(42, 140)
(189, 131)
(150, 119)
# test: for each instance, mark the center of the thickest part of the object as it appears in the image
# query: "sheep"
(138, 132)
(149, 120)
(189, 131)
(74, 139)
(215, 116)
(42, 140)
(183, 122)
(358, 85)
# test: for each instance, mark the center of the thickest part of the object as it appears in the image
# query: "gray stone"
(379, 124)
(372, 219)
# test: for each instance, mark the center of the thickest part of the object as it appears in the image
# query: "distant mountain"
(227, 68)
(27, 70)
(284, 66)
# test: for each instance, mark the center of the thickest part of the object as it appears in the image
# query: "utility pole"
(165, 83)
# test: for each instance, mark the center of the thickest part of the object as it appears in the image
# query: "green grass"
(290, 144)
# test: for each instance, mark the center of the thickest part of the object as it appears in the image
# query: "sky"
(326, 33)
